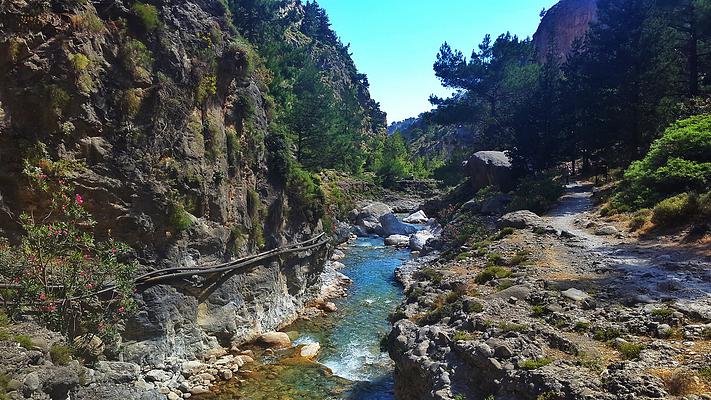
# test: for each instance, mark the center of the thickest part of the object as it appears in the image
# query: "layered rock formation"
(167, 112)
(565, 22)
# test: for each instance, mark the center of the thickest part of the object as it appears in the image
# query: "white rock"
(416, 218)
(338, 255)
(310, 350)
(158, 375)
(575, 294)
(418, 241)
(275, 339)
(397, 240)
(607, 230)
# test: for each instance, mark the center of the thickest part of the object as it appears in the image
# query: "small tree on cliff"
(58, 271)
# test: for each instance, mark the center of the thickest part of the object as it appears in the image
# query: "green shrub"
(60, 235)
(512, 327)
(88, 21)
(4, 320)
(491, 273)
(179, 218)
(639, 218)
(675, 210)
(705, 374)
(678, 162)
(537, 194)
(432, 275)
(61, 355)
(504, 232)
(234, 148)
(460, 335)
(473, 307)
(25, 341)
(605, 334)
(520, 258)
(206, 87)
(538, 311)
(58, 99)
(136, 58)
(306, 198)
(240, 45)
(535, 364)
(147, 14)
(505, 284)
(80, 62)
(629, 351)
(4, 383)
(581, 326)
(130, 102)
(662, 313)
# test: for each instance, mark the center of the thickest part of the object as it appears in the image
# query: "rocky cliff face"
(562, 24)
(165, 110)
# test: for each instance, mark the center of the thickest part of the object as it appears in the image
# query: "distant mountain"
(561, 25)
(403, 125)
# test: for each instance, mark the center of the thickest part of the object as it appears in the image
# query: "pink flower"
(89, 285)
(121, 310)
(51, 308)
(42, 297)
(79, 199)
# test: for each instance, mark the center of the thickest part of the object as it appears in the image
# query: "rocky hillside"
(165, 112)
(561, 25)
(566, 306)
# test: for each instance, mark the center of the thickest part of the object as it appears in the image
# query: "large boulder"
(520, 220)
(397, 240)
(341, 232)
(418, 241)
(393, 226)
(275, 339)
(416, 218)
(369, 218)
(489, 168)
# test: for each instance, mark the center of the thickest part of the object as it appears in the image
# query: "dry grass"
(680, 382)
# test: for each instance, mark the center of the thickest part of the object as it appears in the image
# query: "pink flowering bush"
(57, 270)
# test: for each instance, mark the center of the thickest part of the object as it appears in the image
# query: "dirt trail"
(638, 272)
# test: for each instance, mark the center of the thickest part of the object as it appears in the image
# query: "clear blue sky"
(395, 42)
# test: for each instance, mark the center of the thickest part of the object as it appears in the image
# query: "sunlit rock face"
(565, 22)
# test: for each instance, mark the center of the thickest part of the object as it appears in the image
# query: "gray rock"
(607, 230)
(520, 220)
(519, 292)
(397, 240)
(372, 213)
(393, 226)
(116, 372)
(495, 204)
(575, 294)
(32, 382)
(418, 240)
(489, 168)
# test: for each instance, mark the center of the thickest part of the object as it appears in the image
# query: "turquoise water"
(350, 364)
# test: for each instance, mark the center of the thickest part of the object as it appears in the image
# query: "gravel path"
(641, 272)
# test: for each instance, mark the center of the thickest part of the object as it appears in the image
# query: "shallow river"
(350, 364)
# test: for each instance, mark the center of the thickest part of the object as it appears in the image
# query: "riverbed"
(351, 364)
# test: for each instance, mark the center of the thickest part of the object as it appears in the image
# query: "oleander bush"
(58, 269)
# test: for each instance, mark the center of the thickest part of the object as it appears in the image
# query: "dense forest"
(641, 66)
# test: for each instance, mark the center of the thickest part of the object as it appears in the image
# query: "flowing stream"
(350, 364)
